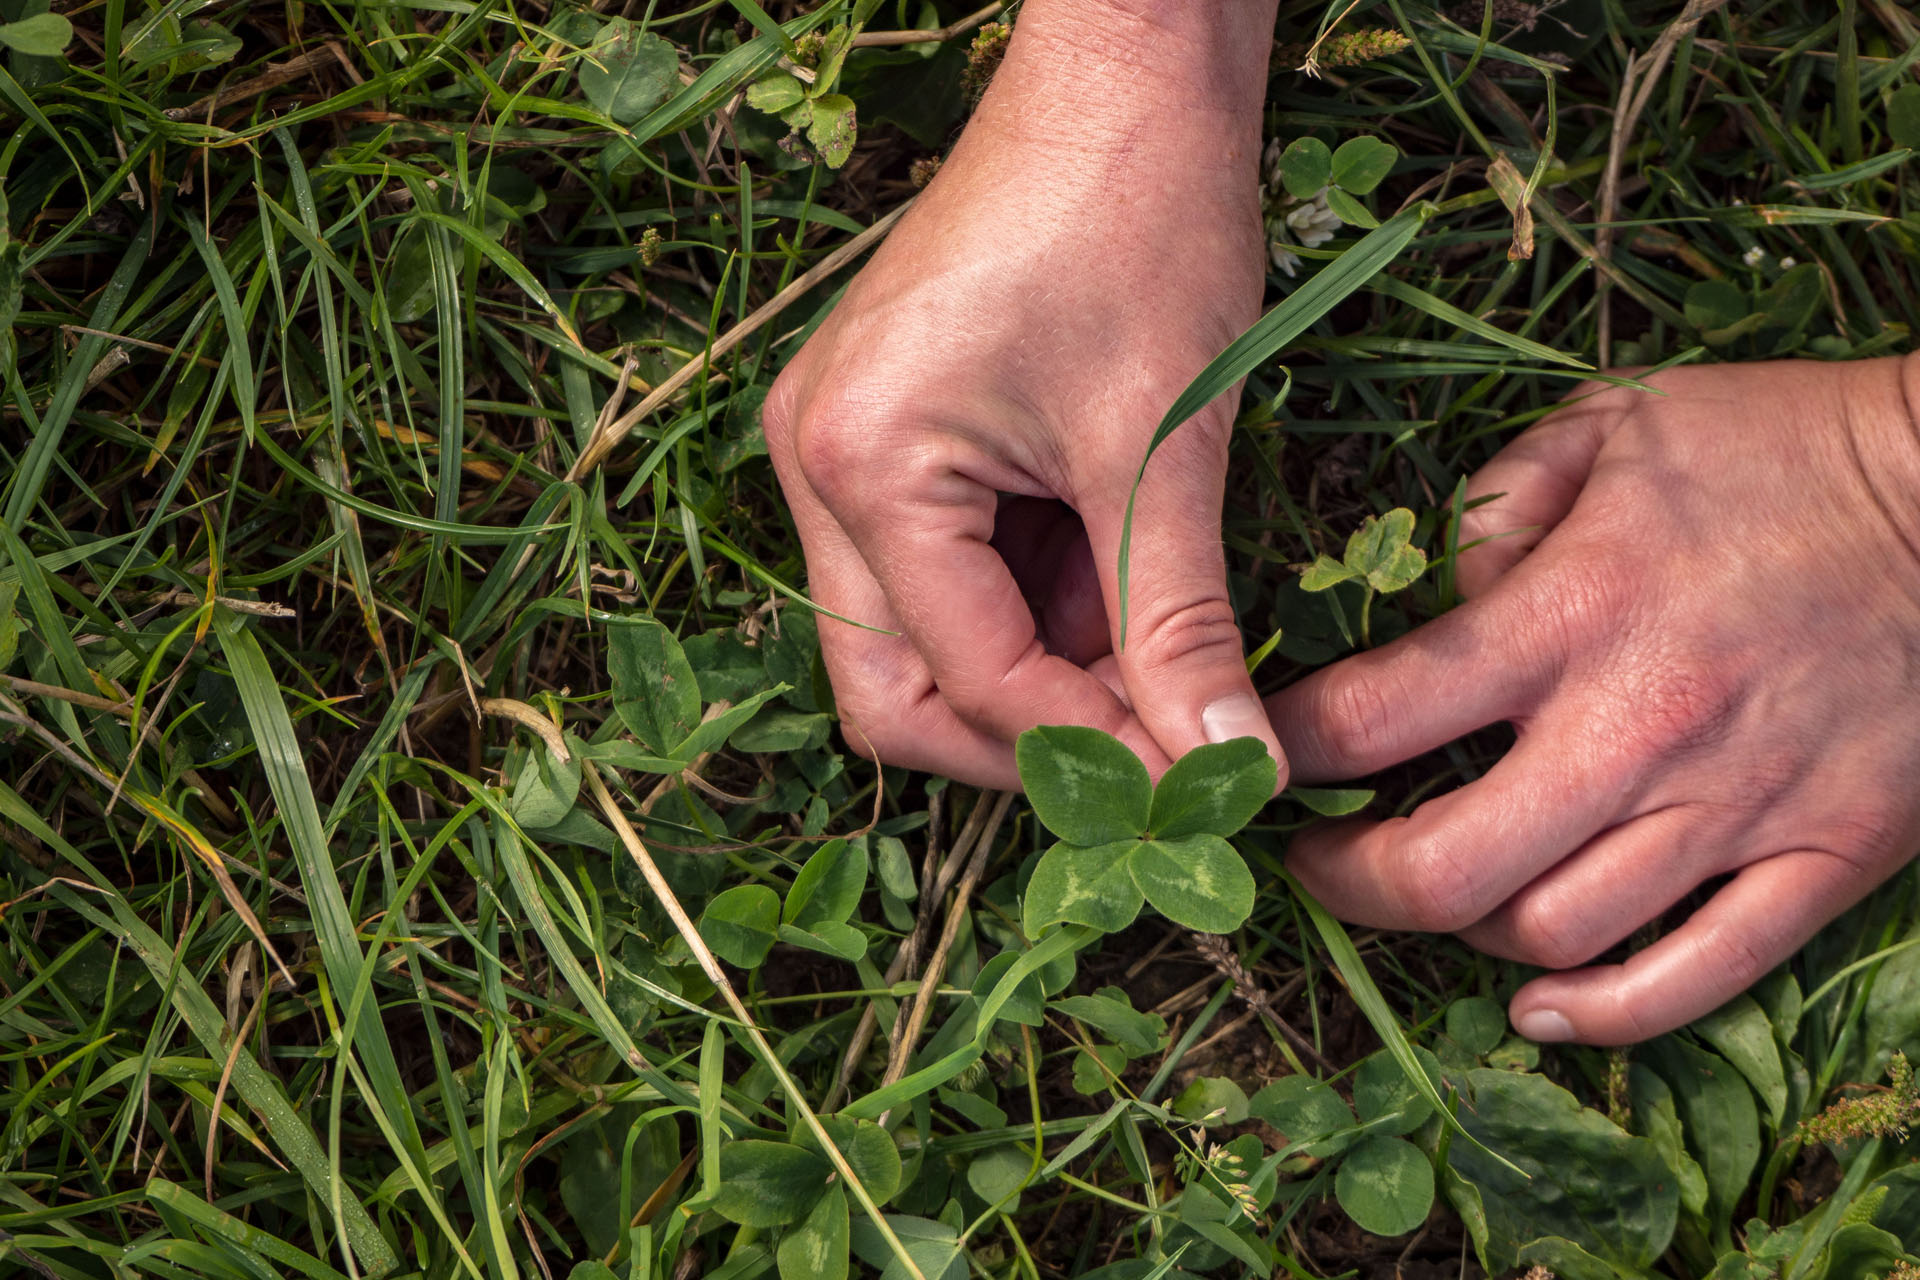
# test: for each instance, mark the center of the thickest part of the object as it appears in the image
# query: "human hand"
(958, 441)
(1702, 612)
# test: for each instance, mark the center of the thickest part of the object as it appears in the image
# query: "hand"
(1702, 613)
(958, 441)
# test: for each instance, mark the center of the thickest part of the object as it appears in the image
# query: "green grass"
(301, 976)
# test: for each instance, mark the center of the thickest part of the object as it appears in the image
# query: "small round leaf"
(1305, 167)
(1385, 1185)
(1361, 163)
(742, 924)
(1213, 790)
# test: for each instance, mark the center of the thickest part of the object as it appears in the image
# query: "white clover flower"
(1754, 256)
(1788, 263)
(1312, 223)
(1285, 260)
(1270, 164)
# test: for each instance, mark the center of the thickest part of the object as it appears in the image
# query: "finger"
(1757, 921)
(1183, 660)
(1598, 896)
(890, 707)
(926, 537)
(1488, 660)
(1455, 859)
(1526, 490)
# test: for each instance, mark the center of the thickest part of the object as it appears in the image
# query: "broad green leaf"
(829, 937)
(1380, 552)
(1743, 1035)
(592, 1269)
(1095, 1070)
(654, 690)
(1198, 882)
(816, 1248)
(709, 734)
(1108, 1010)
(1083, 885)
(1361, 163)
(781, 731)
(1714, 304)
(1212, 1100)
(1303, 1109)
(775, 93)
(742, 924)
(627, 72)
(1305, 167)
(1476, 1023)
(1264, 339)
(768, 1184)
(1086, 786)
(996, 1176)
(1212, 790)
(1349, 210)
(1857, 1249)
(547, 787)
(829, 886)
(869, 1150)
(1903, 116)
(1585, 1178)
(1658, 1120)
(895, 866)
(44, 35)
(834, 128)
(1386, 1185)
(1384, 1096)
(1720, 1115)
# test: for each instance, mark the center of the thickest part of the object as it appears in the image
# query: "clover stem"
(1366, 619)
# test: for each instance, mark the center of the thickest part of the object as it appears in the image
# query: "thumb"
(1183, 663)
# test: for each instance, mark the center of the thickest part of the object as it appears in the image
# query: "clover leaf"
(1125, 842)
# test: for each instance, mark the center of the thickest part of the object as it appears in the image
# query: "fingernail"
(1544, 1026)
(1238, 715)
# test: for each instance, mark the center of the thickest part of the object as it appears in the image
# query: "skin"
(958, 440)
(1700, 609)
(1701, 612)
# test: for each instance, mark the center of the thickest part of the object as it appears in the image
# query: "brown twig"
(1636, 91)
(607, 435)
(876, 39)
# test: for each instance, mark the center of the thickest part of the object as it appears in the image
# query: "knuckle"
(1546, 934)
(1682, 711)
(1440, 893)
(1205, 629)
(1737, 956)
(1585, 605)
(1360, 718)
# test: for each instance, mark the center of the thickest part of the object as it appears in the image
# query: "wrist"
(1138, 70)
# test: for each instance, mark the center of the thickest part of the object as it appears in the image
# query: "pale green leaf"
(768, 1184)
(44, 35)
(1082, 884)
(1214, 789)
(1197, 881)
(1361, 163)
(742, 924)
(1086, 786)
(816, 1247)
